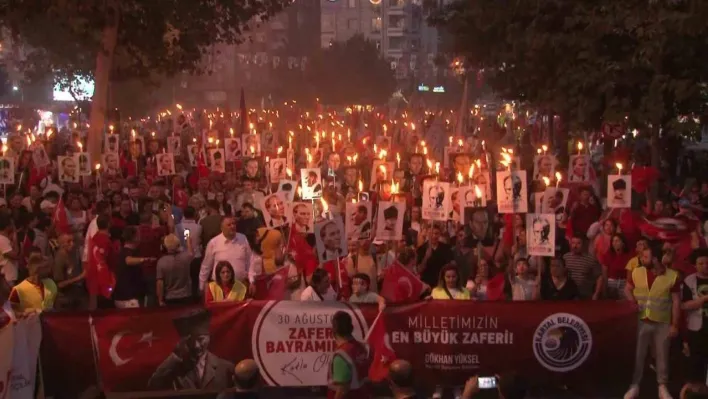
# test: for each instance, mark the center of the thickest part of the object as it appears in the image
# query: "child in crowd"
(361, 294)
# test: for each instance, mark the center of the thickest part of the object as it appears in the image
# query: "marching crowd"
(140, 238)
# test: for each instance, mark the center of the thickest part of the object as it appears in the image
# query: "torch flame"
(471, 172)
(394, 188)
(619, 166)
(280, 150)
(437, 168)
(98, 167)
(382, 154)
(430, 164)
(325, 205)
(580, 145)
(459, 143)
(460, 178)
(179, 107)
(544, 148)
(546, 181)
(231, 131)
(81, 146)
(289, 172)
(507, 158)
(361, 186)
(558, 176)
(477, 192)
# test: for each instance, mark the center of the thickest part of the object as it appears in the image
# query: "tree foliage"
(155, 37)
(588, 60)
(351, 72)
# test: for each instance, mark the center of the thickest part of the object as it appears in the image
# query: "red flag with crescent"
(272, 286)
(672, 229)
(380, 348)
(400, 285)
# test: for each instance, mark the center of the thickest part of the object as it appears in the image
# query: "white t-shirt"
(308, 294)
(8, 266)
(369, 297)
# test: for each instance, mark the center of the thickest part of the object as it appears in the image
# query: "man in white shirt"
(8, 254)
(228, 246)
(320, 288)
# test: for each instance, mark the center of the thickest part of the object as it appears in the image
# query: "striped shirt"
(584, 270)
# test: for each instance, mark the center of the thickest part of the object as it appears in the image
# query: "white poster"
(174, 145)
(277, 169)
(19, 352)
(554, 201)
(7, 170)
(69, 169)
(472, 196)
(233, 149)
(303, 219)
(578, 169)
(112, 141)
(358, 221)
(482, 178)
(275, 212)
(544, 165)
(288, 187)
(541, 234)
(619, 191)
(218, 160)
(331, 240)
(512, 192)
(252, 145)
(165, 164)
(84, 163)
(111, 164)
(380, 171)
(193, 154)
(39, 156)
(389, 220)
(436, 200)
(311, 183)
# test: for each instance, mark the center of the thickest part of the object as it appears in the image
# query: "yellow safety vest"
(655, 301)
(439, 293)
(238, 292)
(32, 299)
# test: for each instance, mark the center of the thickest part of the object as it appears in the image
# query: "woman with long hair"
(449, 285)
(225, 287)
(477, 286)
(614, 265)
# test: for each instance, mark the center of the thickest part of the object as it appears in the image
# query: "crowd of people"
(137, 233)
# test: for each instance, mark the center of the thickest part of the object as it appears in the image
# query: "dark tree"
(589, 60)
(351, 72)
(125, 39)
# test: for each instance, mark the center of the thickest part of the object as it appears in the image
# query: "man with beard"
(191, 365)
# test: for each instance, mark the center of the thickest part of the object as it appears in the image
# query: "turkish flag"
(643, 177)
(380, 349)
(671, 229)
(60, 220)
(333, 268)
(302, 252)
(401, 285)
(495, 288)
(181, 199)
(100, 279)
(272, 286)
(130, 351)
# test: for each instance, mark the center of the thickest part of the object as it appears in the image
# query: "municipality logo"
(562, 342)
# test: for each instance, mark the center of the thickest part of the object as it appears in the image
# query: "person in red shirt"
(614, 264)
(100, 279)
(584, 213)
(151, 236)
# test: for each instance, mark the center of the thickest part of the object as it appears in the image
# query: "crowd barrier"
(133, 351)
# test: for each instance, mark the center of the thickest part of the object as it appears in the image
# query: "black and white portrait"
(288, 189)
(252, 145)
(389, 220)
(7, 170)
(578, 169)
(218, 160)
(165, 164)
(540, 234)
(331, 240)
(619, 191)
(472, 196)
(174, 145)
(544, 165)
(274, 210)
(84, 163)
(461, 163)
(303, 220)
(252, 168)
(39, 156)
(383, 143)
(233, 149)
(553, 201)
(111, 164)
(193, 154)
(358, 221)
(278, 169)
(191, 365)
(479, 224)
(69, 169)
(112, 143)
(512, 192)
(311, 183)
(381, 171)
(436, 200)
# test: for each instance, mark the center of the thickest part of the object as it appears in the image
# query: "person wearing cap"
(191, 365)
(347, 376)
(619, 192)
(390, 220)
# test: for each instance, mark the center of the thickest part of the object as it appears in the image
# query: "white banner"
(19, 350)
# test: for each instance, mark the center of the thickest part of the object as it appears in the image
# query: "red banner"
(446, 341)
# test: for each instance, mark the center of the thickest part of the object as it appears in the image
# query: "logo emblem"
(562, 342)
